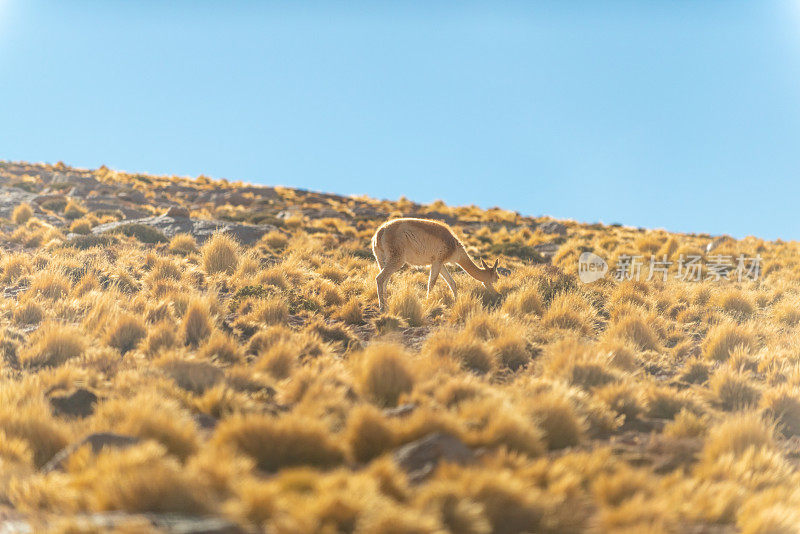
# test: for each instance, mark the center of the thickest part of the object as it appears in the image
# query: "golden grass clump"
(368, 433)
(53, 344)
(22, 213)
(126, 332)
(782, 405)
(28, 312)
(405, 303)
(733, 389)
(722, 339)
(149, 417)
(197, 324)
(277, 443)
(737, 434)
(145, 479)
(220, 254)
(183, 244)
(384, 374)
(568, 311)
(636, 331)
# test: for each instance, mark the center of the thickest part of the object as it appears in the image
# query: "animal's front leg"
(450, 282)
(432, 278)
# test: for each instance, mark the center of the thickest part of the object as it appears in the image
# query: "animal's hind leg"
(433, 277)
(450, 281)
(383, 277)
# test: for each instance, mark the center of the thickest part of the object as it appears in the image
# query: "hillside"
(191, 355)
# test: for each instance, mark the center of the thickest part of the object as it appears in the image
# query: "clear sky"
(682, 115)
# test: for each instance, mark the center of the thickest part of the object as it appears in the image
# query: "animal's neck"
(468, 265)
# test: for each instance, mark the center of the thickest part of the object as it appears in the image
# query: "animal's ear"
(483, 262)
(496, 261)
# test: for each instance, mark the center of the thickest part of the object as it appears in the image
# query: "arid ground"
(208, 356)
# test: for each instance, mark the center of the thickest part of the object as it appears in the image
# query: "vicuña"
(424, 242)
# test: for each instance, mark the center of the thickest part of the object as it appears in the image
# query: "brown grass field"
(250, 377)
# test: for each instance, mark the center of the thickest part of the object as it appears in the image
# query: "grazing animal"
(424, 242)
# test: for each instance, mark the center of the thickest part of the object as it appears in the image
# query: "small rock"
(200, 229)
(177, 211)
(205, 421)
(399, 411)
(80, 403)
(548, 250)
(97, 442)
(123, 521)
(552, 227)
(419, 458)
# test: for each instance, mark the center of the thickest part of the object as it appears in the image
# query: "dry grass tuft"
(384, 374)
(275, 443)
(197, 324)
(126, 333)
(220, 254)
(53, 344)
(722, 339)
(22, 213)
(368, 433)
(183, 244)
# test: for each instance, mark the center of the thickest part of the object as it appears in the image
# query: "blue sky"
(676, 115)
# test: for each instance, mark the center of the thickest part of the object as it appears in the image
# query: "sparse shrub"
(622, 397)
(220, 254)
(686, 425)
(33, 424)
(275, 240)
(276, 443)
(384, 374)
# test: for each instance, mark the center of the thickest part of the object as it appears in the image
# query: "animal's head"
(490, 274)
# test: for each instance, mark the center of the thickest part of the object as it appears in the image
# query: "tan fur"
(423, 242)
